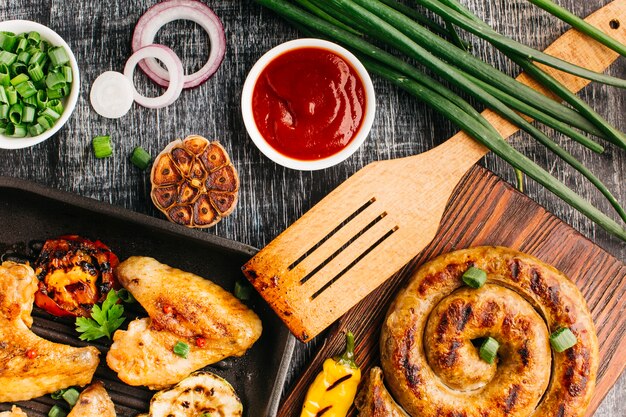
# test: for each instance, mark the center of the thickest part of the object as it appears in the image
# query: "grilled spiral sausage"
(432, 367)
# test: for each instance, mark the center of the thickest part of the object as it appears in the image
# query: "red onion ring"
(174, 68)
(162, 13)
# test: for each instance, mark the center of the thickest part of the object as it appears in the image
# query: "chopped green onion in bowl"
(30, 53)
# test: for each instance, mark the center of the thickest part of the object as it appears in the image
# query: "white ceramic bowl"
(265, 147)
(69, 103)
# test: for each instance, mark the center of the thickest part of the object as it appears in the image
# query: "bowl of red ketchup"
(308, 104)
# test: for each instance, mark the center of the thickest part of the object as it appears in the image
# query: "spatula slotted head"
(347, 245)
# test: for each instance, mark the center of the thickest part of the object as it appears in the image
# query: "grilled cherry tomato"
(74, 274)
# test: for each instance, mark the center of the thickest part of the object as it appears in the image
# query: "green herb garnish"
(243, 291)
(563, 339)
(126, 296)
(57, 411)
(71, 396)
(489, 350)
(102, 146)
(104, 320)
(474, 277)
(181, 349)
(140, 158)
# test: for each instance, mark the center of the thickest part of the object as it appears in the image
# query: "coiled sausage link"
(432, 367)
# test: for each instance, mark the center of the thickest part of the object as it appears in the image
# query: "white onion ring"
(174, 68)
(162, 13)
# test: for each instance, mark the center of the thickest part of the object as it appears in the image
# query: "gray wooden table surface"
(271, 197)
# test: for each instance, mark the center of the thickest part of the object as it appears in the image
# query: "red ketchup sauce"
(309, 103)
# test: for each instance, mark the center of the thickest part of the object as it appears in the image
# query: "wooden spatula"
(386, 213)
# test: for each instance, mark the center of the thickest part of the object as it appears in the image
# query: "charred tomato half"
(74, 274)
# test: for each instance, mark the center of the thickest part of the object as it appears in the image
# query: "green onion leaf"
(15, 131)
(71, 396)
(34, 38)
(48, 112)
(489, 350)
(26, 89)
(102, 146)
(58, 56)
(54, 80)
(140, 158)
(38, 58)
(56, 105)
(19, 79)
(7, 58)
(35, 72)
(45, 122)
(3, 96)
(474, 277)
(28, 114)
(55, 93)
(36, 130)
(23, 57)
(11, 94)
(5, 78)
(67, 73)
(563, 339)
(4, 112)
(243, 290)
(57, 395)
(57, 411)
(8, 41)
(15, 113)
(181, 349)
(42, 99)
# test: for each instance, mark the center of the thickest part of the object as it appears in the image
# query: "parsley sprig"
(104, 320)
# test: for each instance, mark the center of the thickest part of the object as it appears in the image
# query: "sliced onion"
(174, 68)
(162, 13)
(111, 95)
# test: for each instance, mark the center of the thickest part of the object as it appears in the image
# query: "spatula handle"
(462, 151)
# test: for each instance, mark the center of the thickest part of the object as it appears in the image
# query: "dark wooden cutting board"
(485, 210)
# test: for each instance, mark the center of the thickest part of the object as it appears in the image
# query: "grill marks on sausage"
(451, 357)
(524, 354)
(411, 370)
(452, 271)
(576, 375)
(514, 267)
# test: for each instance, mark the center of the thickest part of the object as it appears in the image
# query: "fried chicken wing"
(29, 365)
(93, 401)
(183, 307)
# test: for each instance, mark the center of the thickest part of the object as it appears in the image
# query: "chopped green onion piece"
(44, 46)
(34, 38)
(489, 350)
(26, 89)
(58, 56)
(140, 158)
(36, 130)
(7, 58)
(15, 113)
(19, 68)
(563, 339)
(35, 72)
(474, 277)
(23, 57)
(38, 58)
(126, 296)
(11, 94)
(54, 80)
(4, 112)
(3, 127)
(48, 112)
(57, 411)
(181, 349)
(28, 114)
(55, 93)
(19, 79)
(71, 396)
(7, 41)
(243, 290)
(55, 105)
(67, 73)
(22, 44)
(45, 122)
(5, 78)
(30, 101)
(42, 99)
(3, 95)
(15, 131)
(102, 146)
